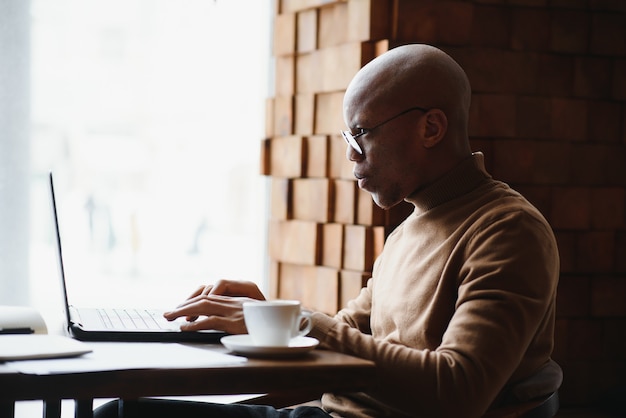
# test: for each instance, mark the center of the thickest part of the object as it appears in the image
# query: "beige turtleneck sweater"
(460, 306)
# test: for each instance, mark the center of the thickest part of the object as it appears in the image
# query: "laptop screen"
(60, 252)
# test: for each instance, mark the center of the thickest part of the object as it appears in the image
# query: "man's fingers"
(236, 288)
(217, 306)
(228, 325)
(205, 305)
(202, 290)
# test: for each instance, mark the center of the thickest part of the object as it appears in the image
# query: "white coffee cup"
(275, 323)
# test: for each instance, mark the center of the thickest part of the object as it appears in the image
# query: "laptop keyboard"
(128, 319)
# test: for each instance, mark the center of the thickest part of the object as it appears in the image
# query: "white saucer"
(242, 344)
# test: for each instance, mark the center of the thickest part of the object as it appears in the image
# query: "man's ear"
(436, 127)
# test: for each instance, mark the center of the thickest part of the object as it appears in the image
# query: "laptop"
(137, 324)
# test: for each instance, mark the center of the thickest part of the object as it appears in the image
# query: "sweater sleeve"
(506, 277)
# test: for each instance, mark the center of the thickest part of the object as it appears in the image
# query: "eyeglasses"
(351, 138)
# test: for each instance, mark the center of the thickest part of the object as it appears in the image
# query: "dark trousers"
(160, 408)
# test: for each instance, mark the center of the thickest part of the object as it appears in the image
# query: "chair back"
(548, 407)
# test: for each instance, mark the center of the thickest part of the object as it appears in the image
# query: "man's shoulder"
(496, 201)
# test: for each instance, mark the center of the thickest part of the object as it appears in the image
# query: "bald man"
(459, 313)
(417, 98)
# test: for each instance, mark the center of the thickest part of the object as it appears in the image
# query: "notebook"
(119, 324)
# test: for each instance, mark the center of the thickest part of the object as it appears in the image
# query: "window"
(150, 115)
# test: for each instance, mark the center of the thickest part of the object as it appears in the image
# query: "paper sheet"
(39, 346)
(122, 356)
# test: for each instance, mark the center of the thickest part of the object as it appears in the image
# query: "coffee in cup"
(275, 323)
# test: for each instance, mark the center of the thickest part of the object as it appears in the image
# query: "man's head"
(409, 110)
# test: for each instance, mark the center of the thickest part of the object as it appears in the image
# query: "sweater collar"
(462, 179)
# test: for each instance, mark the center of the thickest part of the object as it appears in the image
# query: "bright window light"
(150, 115)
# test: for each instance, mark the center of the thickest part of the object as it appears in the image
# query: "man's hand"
(217, 306)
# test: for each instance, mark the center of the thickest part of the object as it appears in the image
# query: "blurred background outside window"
(150, 115)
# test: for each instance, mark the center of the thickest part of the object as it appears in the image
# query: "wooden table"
(285, 381)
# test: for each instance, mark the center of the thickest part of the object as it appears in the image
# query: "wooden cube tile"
(345, 201)
(358, 253)
(448, 22)
(293, 241)
(273, 291)
(327, 290)
(340, 63)
(332, 245)
(299, 5)
(306, 29)
(368, 213)
(298, 282)
(285, 75)
(333, 29)
(316, 288)
(284, 34)
(380, 47)
(287, 156)
(283, 115)
(329, 113)
(368, 19)
(350, 285)
(308, 76)
(281, 203)
(312, 199)
(338, 165)
(317, 155)
(265, 166)
(304, 113)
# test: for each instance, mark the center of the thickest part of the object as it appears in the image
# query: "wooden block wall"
(324, 232)
(548, 110)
